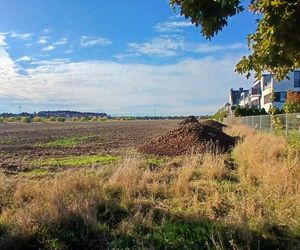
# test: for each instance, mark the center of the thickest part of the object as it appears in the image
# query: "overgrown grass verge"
(189, 202)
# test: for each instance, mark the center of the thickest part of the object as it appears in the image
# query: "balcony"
(255, 92)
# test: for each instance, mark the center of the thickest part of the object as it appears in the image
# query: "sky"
(122, 57)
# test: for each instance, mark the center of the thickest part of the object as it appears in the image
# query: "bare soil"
(191, 135)
(21, 143)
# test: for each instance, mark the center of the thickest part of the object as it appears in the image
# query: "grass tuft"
(74, 161)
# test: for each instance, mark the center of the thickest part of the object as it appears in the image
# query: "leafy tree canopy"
(274, 46)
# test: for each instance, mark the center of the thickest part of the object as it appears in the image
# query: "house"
(265, 92)
(235, 98)
(274, 92)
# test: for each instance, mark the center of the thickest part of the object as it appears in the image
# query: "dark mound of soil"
(189, 136)
(213, 124)
(190, 119)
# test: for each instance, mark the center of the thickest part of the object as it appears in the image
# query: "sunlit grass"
(36, 173)
(74, 161)
(66, 142)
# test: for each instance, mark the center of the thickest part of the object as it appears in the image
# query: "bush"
(75, 119)
(84, 119)
(60, 119)
(292, 103)
(51, 119)
(12, 119)
(37, 119)
(2, 119)
(26, 119)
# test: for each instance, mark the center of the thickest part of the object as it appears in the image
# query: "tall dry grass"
(259, 195)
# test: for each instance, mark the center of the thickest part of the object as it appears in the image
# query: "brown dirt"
(191, 135)
(19, 142)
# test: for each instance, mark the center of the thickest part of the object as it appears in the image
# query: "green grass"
(155, 161)
(6, 142)
(294, 139)
(36, 173)
(67, 142)
(74, 161)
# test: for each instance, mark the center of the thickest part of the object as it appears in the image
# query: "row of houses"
(265, 92)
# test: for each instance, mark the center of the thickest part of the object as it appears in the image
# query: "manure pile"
(191, 135)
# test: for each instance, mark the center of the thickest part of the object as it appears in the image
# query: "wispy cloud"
(174, 45)
(86, 41)
(62, 41)
(162, 46)
(2, 40)
(207, 48)
(174, 26)
(48, 48)
(22, 36)
(43, 40)
(23, 59)
(46, 31)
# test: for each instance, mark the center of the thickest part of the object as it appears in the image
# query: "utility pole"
(20, 109)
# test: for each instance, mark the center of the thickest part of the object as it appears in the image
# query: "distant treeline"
(59, 113)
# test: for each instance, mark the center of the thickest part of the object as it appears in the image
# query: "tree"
(275, 45)
(292, 102)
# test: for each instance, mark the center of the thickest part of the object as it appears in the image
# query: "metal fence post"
(286, 124)
(271, 123)
(260, 122)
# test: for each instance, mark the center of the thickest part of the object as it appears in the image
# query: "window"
(297, 79)
(267, 98)
(267, 79)
(282, 96)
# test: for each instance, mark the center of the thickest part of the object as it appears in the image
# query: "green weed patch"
(36, 173)
(67, 142)
(74, 161)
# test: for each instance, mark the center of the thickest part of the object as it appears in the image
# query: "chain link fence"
(268, 123)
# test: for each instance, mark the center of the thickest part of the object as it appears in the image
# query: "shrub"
(60, 119)
(75, 119)
(51, 119)
(84, 119)
(2, 119)
(12, 119)
(292, 103)
(37, 119)
(26, 119)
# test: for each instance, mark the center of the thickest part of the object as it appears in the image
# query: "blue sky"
(123, 57)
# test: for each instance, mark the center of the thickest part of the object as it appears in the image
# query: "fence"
(268, 123)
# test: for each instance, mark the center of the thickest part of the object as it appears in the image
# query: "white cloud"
(23, 36)
(191, 86)
(162, 46)
(86, 41)
(43, 40)
(24, 58)
(62, 41)
(48, 48)
(174, 45)
(173, 26)
(46, 31)
(2, 40)
(206, 48)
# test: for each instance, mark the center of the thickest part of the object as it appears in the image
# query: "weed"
(74, 161)
(66, 142)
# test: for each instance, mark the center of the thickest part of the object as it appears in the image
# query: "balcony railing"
(255, 92)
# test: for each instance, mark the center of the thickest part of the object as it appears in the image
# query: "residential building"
(235, 98)
(274, 92)
(265, 92)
